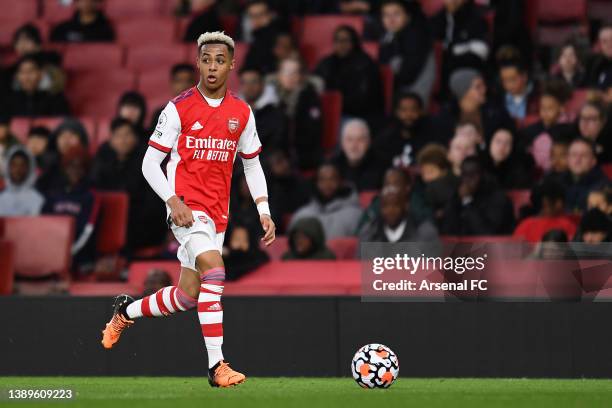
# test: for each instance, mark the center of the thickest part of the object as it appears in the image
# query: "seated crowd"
(464, 131)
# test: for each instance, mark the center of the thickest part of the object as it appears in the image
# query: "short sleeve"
(249, 145)
(167, 129)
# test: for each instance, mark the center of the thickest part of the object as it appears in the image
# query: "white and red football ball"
(375, 366)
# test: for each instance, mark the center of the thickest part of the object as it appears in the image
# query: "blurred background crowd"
(381, 120)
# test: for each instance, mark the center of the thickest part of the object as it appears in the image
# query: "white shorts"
(202, 236)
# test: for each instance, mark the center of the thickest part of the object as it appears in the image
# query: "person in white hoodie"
(20, 198)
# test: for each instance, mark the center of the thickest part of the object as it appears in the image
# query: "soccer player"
(203, 129)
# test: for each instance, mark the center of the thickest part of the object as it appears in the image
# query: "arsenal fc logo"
(232, 125)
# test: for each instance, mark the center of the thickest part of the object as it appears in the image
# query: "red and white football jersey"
(203, 141)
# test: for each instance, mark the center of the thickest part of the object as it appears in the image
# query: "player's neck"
(217, 94)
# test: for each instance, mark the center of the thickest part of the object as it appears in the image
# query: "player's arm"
(249, 148)
(160, 144)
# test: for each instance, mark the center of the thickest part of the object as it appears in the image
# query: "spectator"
(69, 134)
(540, 136)
(551, 200)
(509, 26)
(299, 99)
(334, 204)
(263, 100)
(88, 24)
(73, 197)
(27, 41)
(117, 167)
(182, 77)
(307, 241)
(19, 197)
(407, 47)
(287, 191)
(595, 228)
(569, 65)
(602, 200)
(241, 253)
(583, 175)
(241, 205)
(439, 183)
(460, 147)
(285, 47)
(357, 161)
(205, 18)
(410, 129)
(368, 10)
(133, 107)
(463, 32)
(511, 168)
(29, 99)
(470, 104)
(479, 206)
(600, 65)
(520, 96)
(39, 145)
(265, 27)
(592, 125)
(553, 246)
(352, 72)
(7, 140)
(558, 158)
(396, 224)
(156, 279)
(473, 131)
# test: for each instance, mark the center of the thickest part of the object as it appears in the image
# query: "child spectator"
(519, 95)
(38, 144)
(460, 147)
(88, 24)
(602, 200)
(307, 241)
(550, 198)
(133, 107)
(19, 196)
(241, 253)
(74, 197)
(595, 228)
(334, 204)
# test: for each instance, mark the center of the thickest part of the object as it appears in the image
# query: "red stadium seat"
(138, 32)
(607, 169)
(102, 289)
(366, 197)
(139, 270)
(553, 21)
(480, 239)
(20, 11)
(112, 222)
(158, 79)
(559, 11)
(371, 48)
(386, 76)
(573, 106)
(103, 131)
(431, 7)
(331, 104)
(278, 248)
(82, 85)
(42, 245)
(528, 120)
(229, 22)
(319, 30)
(122, 9)
(344, 248)
(519, 199)
(54, 11)
(151, 56)
(20, 128)
(103, 57)
(7, 267)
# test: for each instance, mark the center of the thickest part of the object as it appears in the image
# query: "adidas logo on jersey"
(214, 307)
(197, 126)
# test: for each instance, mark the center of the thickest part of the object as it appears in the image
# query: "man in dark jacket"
(406, 46)
(351, 71)
(410, 129)
(205, 17)
(307, 241)
(88, 24)
(599, 67)
(265, 28)
(479, 206)
(263, 100)
(583, 175)
(29, 99)
(357, 161)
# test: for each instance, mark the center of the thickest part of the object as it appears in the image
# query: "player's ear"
(233, 63)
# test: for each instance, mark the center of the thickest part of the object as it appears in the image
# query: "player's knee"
(191, 289)
(213, 275)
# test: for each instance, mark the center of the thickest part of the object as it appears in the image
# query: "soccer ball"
(375, 366)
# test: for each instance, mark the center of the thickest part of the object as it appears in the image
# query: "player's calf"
(164, 302)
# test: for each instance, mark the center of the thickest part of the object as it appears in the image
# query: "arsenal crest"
(232, 125)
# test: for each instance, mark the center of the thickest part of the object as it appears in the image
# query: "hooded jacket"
(339, 216)
(22, 199)
(311, 227)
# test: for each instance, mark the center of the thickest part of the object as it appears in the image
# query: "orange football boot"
(118, 323)
(222, 375)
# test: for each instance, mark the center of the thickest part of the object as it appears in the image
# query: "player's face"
(18, 169)
(214, 64)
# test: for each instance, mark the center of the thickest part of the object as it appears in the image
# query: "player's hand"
(269, 229)
(179, 212)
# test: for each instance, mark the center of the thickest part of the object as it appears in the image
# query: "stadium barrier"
(313, 336)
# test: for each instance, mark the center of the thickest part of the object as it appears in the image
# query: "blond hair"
(216, 37)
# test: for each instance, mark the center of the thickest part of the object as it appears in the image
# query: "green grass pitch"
(132, 392)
